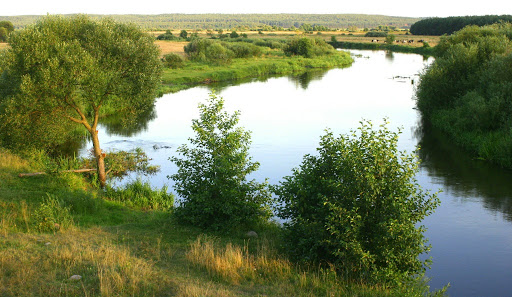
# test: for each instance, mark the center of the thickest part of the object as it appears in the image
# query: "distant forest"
(440, 26)
(265, 22)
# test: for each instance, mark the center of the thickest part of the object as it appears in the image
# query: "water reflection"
(304, 79)
(458, 172)
(129, 124)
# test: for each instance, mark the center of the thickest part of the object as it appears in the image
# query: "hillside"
(228, 21)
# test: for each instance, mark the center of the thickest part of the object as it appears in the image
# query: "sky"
(408, 8)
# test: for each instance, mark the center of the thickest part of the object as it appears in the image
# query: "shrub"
(356, 205)
(173, 60)
(218, 54)
(167, 36)
(307, 47)
(212, 174)
(207, 50)
(244, 50)
(375, 34)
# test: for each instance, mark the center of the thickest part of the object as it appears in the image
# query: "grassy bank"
(195, 73)
(426, 51)
(55, 226)
(466, 92)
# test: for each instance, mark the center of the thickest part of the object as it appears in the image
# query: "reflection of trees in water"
(129, 124)
(119, 124)
(462, 174)
(304, 79)
(390, 56)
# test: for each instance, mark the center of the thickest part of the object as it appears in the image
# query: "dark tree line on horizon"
(449, 25)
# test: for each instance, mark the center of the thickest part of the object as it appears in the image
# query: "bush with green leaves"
(243, 49)
(307, 47)
(212, 174)
(376, 34)
(173, 60)
(208, 51)
(167, 36)
(356, 205)
(466, 92)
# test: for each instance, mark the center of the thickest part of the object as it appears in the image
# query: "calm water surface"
(471, 232)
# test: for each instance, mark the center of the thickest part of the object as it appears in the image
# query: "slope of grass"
(199, 73)
(53, 227)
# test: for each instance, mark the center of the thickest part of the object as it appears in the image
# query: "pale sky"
(432, 8)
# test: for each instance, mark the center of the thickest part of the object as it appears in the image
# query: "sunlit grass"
(120, 249)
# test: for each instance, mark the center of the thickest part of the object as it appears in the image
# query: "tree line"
(266, 22)
(449, 25)
(466, 92)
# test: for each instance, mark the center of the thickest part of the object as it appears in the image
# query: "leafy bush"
(173, 60)
(307, 47)
(356, 205)
(212, 174)
(466, 92)
(375, 34)
(142, 195)
(243, 50)
(209, 51)
(167, 36)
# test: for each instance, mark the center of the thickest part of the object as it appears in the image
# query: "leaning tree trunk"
(100, 158)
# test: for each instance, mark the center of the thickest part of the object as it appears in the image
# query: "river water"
(470, 232)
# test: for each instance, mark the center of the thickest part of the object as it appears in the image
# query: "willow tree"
(64, 72)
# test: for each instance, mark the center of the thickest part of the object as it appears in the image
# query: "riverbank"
(424, 50)
(61, 236)
(194, 73)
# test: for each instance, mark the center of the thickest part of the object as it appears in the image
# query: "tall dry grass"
(42, 264)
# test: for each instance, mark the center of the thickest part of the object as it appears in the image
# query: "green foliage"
(183, 34)
(244, 50)
(234, 34)
(376, 34)
(212, 174)
(167, 36)
(390, 38)
(63, 68)
(3, 34)
(7, 25)
(266, 22)
(219, 53)
(308, 47)
(52, 215)
(173, 60)
(141, 195)
(356, 205)
(466, 92)
(449, 25)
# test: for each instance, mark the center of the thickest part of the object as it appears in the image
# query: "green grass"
(193, 73)
(426, 51)
(55, 226)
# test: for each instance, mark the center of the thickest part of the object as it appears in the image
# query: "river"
(470, 232)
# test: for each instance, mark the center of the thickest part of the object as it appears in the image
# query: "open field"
(177, 46)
